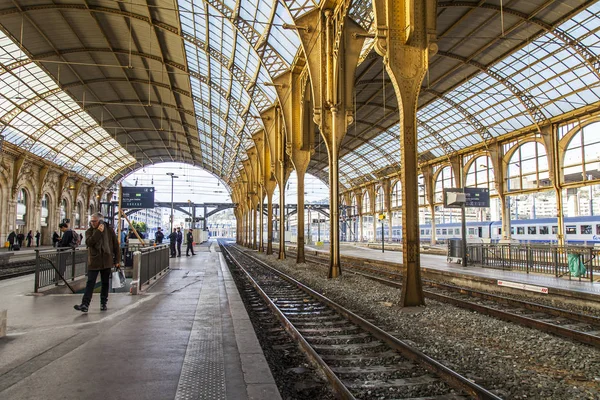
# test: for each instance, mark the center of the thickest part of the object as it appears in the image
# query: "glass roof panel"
(43, 126)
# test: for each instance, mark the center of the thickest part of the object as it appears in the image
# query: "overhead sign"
(137, 197)
(474, 197)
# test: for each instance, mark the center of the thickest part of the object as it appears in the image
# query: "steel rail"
(547, 327)
(449, 376)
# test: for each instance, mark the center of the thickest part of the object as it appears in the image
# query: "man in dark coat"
(189, 238)
(12, 236)
(37, 238)
(29, 238)
(179, 240)
(20, 239)
(103, 254)
(159, 236)
(172, 242)
(67, 235)
(55, 238)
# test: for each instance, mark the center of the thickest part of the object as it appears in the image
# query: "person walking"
(55, 238)
(159, 236)
(179, 240)
(12, 236)
(29, 238)
(172, 242)
(189, 238)
(37, 238)
(103, 254)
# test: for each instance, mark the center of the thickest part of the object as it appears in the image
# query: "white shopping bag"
(118, 279)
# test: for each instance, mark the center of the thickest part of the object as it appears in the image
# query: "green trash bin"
(576, 266)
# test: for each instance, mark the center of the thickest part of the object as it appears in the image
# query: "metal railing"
(149, 263)
(544, 259)
(60, 265)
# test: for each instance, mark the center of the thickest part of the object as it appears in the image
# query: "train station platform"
(188, 336)
(437, 264)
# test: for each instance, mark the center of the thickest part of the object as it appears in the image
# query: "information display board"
(137, 197)
(474, 197)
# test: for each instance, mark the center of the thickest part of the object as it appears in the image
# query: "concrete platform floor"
(188, 337)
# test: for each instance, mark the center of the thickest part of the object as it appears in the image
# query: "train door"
(480, 231)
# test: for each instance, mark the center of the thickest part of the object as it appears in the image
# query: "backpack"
(75, 239)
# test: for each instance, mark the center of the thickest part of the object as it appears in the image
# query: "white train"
(578, 230)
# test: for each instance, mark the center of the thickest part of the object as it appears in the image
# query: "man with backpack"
(69, 237)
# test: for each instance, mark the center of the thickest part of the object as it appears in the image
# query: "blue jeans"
(91, 283)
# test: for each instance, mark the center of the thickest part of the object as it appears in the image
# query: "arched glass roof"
(38, 116)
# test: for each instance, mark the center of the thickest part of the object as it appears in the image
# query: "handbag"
(118, 278)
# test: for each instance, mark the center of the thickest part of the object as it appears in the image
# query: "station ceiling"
(104, 87)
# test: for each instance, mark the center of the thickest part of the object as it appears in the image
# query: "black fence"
(59, 266)
(573, 261)
(153, 261)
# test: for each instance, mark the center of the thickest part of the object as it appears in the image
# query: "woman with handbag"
(103, 254)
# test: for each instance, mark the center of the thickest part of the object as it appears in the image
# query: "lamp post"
(173, 176)
(382, 218)
(190, 211)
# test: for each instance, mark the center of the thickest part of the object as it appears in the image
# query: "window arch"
(45, 213)
(480, 174)
(444, 180)
(397, 195)
(380, 200)
(581, 160)
(63, 209)
(353, 207)
(528, 167)
(366, 205)
(21, 207)
(78, 213)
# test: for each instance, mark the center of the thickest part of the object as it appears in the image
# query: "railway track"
(358, 359)
(579, 327)
(8, 272)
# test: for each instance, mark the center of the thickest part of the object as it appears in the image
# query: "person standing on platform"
(37, 238)
(179, 241)
(172, 242)
(159, 236)
(20, 239)
(12, 236)
(66, 239)
(190, 241)
(29, 238)
(55, 239)
(103, 254)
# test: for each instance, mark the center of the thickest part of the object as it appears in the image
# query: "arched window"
(397, 195)
(366, 205)
(63, 210)
(353, 207)
(421, 192)
(78, 212)
(480, 174)
(445, 180)
(379, 200)
(45, 210)
(582, 157)
(21, 207)
(528, 167)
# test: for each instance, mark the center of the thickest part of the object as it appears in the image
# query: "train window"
(427, 232)
(585, 229)
(437, 232)
(544, 230)
(571, 229)
(444, 231)
(422, 231)
(499, 231)
(457, 231)
(598, 229)
(471, 231)
(520, 230)
(531, 230)
(512, 231)
(555, 230)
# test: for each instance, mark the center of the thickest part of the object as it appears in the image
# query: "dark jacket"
(179, 237)
(66, 239)
(55, 237)
(172, 237)
(11, 237)
(103, 248)
(159, 236)
(189, 238)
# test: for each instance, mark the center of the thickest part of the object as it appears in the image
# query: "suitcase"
(16, 247)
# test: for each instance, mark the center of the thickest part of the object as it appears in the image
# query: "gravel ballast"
(512, 361)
